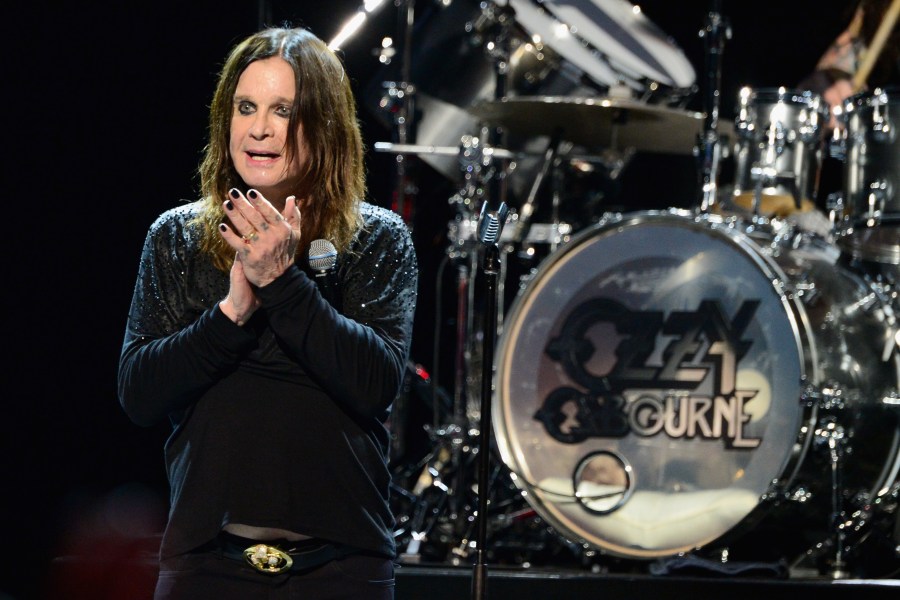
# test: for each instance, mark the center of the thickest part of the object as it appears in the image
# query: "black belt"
(280, 556)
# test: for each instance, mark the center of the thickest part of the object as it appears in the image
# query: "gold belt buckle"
(268, 559)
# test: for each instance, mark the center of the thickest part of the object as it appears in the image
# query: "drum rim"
(750, 96)
(867, 99)
(855, 243)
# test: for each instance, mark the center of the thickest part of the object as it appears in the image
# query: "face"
(260, 129)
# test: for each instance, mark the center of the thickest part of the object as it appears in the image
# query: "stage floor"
(418, 582)
(91, 578)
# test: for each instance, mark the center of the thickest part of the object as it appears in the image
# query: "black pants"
(210, 576)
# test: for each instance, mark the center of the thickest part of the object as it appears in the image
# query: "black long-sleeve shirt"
(278, 423)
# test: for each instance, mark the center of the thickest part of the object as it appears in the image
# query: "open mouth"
(262, 156)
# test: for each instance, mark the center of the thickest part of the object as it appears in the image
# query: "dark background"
(105, 109)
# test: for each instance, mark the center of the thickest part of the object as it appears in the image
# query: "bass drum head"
(647, 385)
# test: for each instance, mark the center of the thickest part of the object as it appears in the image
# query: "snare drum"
(665, 383)
(870, 225)
(778, 150)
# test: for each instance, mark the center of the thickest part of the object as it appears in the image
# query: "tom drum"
(870, 225)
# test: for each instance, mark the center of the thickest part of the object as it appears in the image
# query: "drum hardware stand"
(435, 503)
(440, 498)
(832, 435)
(399, 101)
(477, 159)
(527, 208)
(477, 163)
(717, 31)
(871, 514)
(422, 504)
(452, 439)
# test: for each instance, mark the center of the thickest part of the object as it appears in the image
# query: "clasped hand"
(265, 242)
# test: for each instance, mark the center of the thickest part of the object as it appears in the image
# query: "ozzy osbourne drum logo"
(652, 391)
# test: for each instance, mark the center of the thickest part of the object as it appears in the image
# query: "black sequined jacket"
(279, 423)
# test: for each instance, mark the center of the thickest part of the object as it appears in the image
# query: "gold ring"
(250, 237)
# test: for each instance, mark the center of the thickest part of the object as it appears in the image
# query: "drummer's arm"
(842, 56)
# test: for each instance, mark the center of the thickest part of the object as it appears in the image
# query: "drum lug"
(809, 397)
(800, 495)
(892, 399)
(834, 202)
(883, 130)
(806, 290)
(830, 434)
(778, 492)
(482, 28)
(830, 397)
(837, 145)
(876, 200)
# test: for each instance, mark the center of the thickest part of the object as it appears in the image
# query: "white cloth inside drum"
(652, 520)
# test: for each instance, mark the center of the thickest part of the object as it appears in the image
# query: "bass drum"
(668, 382)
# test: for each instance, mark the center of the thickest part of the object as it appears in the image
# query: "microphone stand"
(716, 32)
(490, 225)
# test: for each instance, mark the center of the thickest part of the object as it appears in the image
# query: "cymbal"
(431, 150)
(604, 122)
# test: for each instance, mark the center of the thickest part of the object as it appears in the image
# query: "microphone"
(322, 259)
(491, 222)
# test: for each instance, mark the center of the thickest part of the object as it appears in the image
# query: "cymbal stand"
(478, 165)
(831, 438)
(715, 33)
(528, 207)
(399, 101)
(440, 500)
(835, 438)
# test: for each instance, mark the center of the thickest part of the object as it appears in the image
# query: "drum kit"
(720, 381)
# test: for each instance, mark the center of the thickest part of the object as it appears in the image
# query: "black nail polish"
(222, 227)
(234, 193)
(252, 194)
(229, 204)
